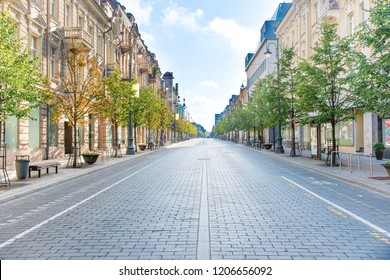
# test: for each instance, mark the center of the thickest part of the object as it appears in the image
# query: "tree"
(265, 104)
(372, 79)
(116, 102)
(324, 90)
(164, 115)
(81, 87)
(146, 110)
(288, 81)
(22, 86)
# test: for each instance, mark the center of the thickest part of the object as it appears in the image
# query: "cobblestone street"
(202, 199)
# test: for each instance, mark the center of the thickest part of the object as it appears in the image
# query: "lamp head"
(268, 53)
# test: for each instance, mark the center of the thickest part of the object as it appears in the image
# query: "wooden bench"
(38, 166)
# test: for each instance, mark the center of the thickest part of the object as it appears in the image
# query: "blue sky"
(204, 44)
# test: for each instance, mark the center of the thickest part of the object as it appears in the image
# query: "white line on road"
(20, 235)
(353, 215)
(203, 246)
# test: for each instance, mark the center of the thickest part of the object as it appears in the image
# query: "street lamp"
(130, 147)
(175, 108)
(279, 147)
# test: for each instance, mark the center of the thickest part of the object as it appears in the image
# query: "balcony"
(77, 38)
(125, 48)
(330, 8)
(110, 68)
(143, 67)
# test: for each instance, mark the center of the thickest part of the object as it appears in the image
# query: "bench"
(38, 166)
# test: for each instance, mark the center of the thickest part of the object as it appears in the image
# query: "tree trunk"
(274, 138)
(115, 139)
(135, 137)
(293, 153)
(333, 143)
(75, 148)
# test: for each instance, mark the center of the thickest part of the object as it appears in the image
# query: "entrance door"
(68, 138)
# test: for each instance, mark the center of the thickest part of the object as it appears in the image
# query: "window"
(386, 132)
(34, 129)
(68, 16)
(81, 21)
(315, 13)
(53, 8)
(90, 31)
(304, 24)
(34, 46)
(345, 133)
(53, 63)
(362, 13)
(11, 135)
(100, 44)
(351, 26)
(53, 141)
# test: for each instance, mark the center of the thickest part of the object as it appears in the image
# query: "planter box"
(142, 146)
(267, 146)
(90, 159)
(387, 167)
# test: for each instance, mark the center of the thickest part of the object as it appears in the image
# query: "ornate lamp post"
(175, 109)
(279, 147)
(130, 147)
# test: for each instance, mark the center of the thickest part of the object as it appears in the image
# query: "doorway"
(68, 138)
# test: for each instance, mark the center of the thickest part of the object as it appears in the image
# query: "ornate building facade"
(49, 29)
(299, 28)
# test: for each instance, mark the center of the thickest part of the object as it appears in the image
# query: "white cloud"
(209, 84)
(240, 38)
(179, 15)
(201, 101)
(142, 13)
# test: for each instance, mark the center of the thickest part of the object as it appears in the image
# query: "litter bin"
(21, 166)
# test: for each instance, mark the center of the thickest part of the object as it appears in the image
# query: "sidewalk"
(379, 181)
(19, 188)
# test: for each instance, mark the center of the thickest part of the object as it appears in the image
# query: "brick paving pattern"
(197, 200)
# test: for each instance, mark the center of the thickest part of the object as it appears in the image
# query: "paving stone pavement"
(201, 199)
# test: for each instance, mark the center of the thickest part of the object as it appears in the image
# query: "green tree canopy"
(324, 90)
(116, 101)
(81, 87)
(22, 86)
(373, 74)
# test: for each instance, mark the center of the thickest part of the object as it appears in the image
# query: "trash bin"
(21, 166)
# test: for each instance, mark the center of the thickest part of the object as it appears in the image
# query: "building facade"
(258, 65)
(49, 29)
(299, 28)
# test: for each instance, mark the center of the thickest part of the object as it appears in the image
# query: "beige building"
(50, 28)
(299, 29)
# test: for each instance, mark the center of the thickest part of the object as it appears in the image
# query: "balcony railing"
(144, 67)
(76, 37)
(329, 5)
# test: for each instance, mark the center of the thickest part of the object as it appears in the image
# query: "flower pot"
(90, 159)
(379, 154)
(142, 146)
(387, 167)
(267, 146)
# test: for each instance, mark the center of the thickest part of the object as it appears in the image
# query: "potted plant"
(386, 165)
(142, 146)
(90, 157)
(267, 146)
(378, 148)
